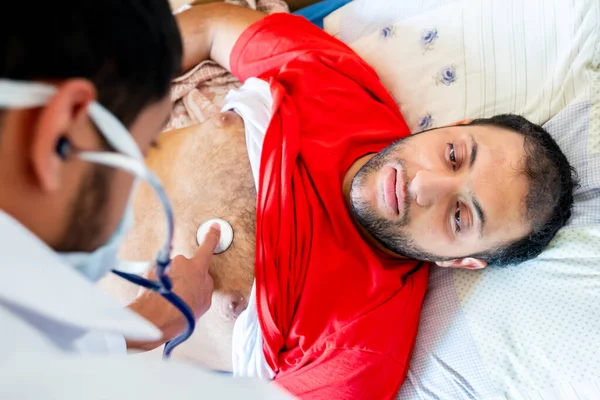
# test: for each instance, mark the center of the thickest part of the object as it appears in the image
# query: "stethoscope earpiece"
(63, 147)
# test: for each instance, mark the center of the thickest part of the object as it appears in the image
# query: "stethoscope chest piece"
(226, 233)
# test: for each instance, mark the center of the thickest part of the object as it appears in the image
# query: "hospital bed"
(530, 331)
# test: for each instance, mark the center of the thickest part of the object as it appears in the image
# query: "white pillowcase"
(473, 58)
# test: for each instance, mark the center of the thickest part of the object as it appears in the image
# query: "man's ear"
(464, 263)
(66, 111)
(462, 122)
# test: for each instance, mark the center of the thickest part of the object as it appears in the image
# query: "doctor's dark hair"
(551, 183)
(130, 50)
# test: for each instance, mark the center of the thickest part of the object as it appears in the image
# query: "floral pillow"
(474, 58)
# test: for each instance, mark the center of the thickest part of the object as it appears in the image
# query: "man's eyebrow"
(473, 152)
(480, 214)
(476, 204)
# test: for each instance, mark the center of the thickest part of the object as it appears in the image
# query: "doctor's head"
(122, 54)
(488, 191)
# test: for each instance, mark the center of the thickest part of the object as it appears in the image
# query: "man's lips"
(390, 190)
(400, 191)
(394, 191)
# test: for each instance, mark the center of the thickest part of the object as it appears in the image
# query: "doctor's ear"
(464, 263)
(65, 113)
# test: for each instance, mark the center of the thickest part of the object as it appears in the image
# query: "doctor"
(84, 92)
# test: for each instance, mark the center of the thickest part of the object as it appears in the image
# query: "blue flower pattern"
(446, 76)
(428, 38)
(388, 32)
(425, 122)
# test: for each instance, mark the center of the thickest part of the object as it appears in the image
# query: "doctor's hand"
(191, 281)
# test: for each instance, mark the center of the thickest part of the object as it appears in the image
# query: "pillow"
(530, 331)
(447, 60)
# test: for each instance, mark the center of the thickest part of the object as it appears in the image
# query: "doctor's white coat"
(63, 338)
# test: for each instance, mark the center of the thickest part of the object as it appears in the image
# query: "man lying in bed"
(343, 206)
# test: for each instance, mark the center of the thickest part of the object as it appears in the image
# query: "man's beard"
(390, 234)
(90, 209)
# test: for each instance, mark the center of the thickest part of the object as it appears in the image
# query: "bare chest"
(206, 173)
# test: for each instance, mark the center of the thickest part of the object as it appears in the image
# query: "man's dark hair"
(551, 180)
(130, 50)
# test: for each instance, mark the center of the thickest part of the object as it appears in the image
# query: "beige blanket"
(200, 93)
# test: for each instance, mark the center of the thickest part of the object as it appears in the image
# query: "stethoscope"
(163, 285)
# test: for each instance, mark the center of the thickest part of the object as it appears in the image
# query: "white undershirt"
(253, 102)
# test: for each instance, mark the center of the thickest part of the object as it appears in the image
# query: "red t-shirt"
(339, 318)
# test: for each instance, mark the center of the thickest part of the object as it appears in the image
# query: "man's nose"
(428, 187)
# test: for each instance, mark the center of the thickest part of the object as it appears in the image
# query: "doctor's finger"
(208, 245)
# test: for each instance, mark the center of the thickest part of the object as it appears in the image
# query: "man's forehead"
(499, 183)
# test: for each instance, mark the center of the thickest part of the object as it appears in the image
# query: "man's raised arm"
(211, 31)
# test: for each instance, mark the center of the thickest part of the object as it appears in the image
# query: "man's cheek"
(423, 231)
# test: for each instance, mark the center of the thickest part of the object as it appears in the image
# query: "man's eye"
(457, 218)
(452, 156)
